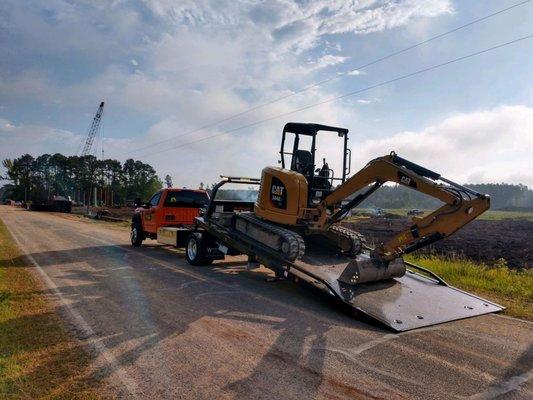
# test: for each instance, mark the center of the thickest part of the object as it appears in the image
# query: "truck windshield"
(237, 192)
(186, 198)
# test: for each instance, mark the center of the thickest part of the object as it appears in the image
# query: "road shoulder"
(40, 357)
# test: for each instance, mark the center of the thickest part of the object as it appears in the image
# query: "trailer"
(54, 204)
(412, 300)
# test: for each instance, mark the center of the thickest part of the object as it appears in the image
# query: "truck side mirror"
(137, 202)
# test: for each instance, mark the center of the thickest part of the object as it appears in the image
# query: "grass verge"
(39, 358)
(510, 288)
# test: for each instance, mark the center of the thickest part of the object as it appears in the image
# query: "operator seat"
(302, 162)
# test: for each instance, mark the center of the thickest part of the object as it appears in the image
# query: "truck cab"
(168, 212)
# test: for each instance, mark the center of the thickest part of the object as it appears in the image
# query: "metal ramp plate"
(410, 302)
(414, 301)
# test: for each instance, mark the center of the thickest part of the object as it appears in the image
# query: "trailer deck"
(418, 299)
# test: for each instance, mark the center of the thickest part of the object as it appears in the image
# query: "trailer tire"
(196, 249)
(136, 235)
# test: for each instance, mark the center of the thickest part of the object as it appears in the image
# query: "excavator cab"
(321, 179)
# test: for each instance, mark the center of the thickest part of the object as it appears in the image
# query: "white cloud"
(34, 139)
(483, 146)
(327, 61)
(201, 61)
(355, 72)
(37, 139)
(217, 48)
(298, 25)
(373, 16)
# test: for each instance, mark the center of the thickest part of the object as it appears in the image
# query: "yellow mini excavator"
(294, 229)
(307, 202)
(297, 216)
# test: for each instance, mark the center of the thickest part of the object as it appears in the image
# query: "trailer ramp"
(415, 300)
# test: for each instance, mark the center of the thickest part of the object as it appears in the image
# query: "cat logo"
(277, 190)
(278, 194)
(406, 180)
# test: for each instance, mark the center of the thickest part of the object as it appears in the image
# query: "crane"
(95, 125)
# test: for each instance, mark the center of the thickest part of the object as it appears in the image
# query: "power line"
(348, 94)
(332, 78)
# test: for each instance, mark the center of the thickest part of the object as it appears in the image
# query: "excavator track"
(348, 242)
(355, 239)
(290, 244)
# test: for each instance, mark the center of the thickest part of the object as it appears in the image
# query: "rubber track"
(358, 240)
(296, 242)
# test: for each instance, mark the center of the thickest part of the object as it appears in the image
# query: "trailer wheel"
(136, 234)
(196, 250)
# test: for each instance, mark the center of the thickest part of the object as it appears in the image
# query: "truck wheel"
(136, 234)
(196, 250)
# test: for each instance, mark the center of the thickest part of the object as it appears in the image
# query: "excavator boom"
(461, 205)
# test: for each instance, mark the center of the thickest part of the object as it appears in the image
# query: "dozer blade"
(402, 303)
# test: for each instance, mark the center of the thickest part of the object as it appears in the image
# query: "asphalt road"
(160, 328)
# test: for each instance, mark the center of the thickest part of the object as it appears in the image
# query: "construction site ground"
(485, 241)
(160, 328)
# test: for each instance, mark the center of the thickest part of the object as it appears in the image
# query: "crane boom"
(95, 125)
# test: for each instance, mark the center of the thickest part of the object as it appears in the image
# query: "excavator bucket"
(417, 299)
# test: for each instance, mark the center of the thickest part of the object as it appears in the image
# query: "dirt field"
(483, 241)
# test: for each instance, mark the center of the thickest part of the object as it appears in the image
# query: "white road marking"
(215, 293)
(513, 383)
(80, 323)
(373, 343)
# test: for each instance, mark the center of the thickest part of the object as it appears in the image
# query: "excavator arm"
(461, 205)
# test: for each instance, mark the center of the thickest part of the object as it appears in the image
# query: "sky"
(168, 71)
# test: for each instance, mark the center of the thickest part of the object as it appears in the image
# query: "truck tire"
(195, 250)
(136, 235)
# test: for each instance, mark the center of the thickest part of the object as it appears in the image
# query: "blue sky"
(166, 67)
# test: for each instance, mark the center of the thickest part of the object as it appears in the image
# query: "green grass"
(38, 356)
(510, 288)
(497, 215)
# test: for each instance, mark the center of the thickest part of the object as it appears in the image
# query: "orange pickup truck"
(168, 216)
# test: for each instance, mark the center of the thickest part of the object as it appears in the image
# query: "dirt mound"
(484, 241)
(122, 213)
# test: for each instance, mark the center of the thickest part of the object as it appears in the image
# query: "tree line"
(110, 182)
(86, 180)
(503, 195)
